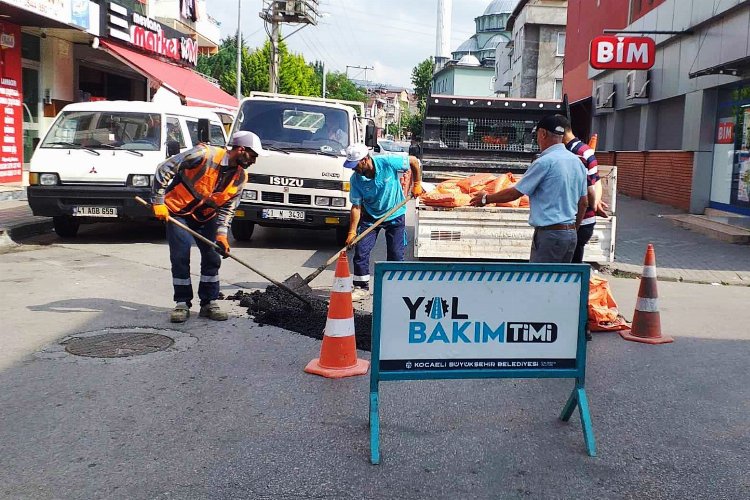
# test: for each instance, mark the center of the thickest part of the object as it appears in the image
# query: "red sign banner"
(725, 133)
(622, 52)
(11, 100)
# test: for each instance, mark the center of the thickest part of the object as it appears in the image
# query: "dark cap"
(556, 124)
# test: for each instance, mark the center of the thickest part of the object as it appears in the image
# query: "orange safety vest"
(199, 191)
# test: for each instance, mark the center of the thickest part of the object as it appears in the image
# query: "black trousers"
(584, 235)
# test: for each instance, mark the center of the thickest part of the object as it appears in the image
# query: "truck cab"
(97, 156)
(303, 182)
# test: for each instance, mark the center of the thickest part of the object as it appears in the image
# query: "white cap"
(354, 154)
(248, 140)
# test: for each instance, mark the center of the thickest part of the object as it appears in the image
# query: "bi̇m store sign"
(622, 52)
(149, 35)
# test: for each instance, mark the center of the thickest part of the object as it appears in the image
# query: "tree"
(338, 86)
(421, 78)
(222, 66)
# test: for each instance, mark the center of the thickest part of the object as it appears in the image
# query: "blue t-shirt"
(382, 193)
(555, 182)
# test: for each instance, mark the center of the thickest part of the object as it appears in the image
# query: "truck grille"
(299, 199)
(93, 202)
(445, 235)
(272, 196)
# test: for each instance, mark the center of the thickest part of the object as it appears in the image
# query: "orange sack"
(470, 184)
(448, 187)
(603, 313)
(448, 200)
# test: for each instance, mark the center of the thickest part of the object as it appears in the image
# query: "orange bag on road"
(603, 313)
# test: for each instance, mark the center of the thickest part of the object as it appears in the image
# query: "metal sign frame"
(505, 272)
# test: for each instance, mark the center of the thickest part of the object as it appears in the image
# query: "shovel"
(219, 249)
(297, 282)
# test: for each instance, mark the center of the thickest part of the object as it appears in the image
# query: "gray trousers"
(553, 246)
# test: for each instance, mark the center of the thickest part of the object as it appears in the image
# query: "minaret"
(443, 36)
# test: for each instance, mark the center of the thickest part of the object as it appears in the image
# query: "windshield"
(390, 146)
(296, 126)
(105, 130)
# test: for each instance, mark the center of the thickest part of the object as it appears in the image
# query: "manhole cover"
(118, 345)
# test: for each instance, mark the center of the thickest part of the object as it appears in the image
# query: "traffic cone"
(338, 353)
(593, 141)
(646, 325)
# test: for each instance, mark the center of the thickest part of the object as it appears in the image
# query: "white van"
(303, 182)
(97, 156)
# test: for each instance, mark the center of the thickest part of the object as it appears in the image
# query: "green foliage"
(421, 78)
(338, 86)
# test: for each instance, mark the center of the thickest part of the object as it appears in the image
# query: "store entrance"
(97, 85)
(31, 101)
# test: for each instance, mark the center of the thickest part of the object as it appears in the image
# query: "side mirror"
(173, 148)
(203, 130)
(370, 139)
(376, 148)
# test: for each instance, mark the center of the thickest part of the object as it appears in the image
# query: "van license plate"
(273, 213)
(94, 211)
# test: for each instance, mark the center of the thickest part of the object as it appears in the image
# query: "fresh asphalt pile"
(276, 307)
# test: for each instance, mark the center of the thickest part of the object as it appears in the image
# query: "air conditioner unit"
(636, 85)
(604, 96)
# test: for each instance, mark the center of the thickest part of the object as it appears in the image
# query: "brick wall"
(659, 176)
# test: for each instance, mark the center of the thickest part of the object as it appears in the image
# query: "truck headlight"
(48, 179)
(249, 195)
(140, 180)
(338, 202)
(323, 201)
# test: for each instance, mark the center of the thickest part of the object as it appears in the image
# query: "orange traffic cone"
(338, 353)
(646, 326)
(593, 141)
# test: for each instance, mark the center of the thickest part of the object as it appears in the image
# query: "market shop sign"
(150, 35)
(725, 133)
(622, 52)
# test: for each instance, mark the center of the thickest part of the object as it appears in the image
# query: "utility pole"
(276, 12)
(239, 51)
(324, 79)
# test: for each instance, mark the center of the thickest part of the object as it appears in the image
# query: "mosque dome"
(496, 40)
(500, 7)
(469, 60)
(469, 45)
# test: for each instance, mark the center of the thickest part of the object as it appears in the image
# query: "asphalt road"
(228, 412)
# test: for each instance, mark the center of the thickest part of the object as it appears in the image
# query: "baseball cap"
(248, 140)
(557, 124)
(354, 154)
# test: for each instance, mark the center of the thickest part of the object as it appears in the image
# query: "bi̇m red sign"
(725, 133)
(622, 52)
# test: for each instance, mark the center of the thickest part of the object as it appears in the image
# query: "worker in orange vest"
(201, 188)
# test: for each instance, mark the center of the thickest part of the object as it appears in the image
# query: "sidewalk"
(681, 255)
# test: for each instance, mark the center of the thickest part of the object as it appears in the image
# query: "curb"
(634, 272)
(16, 194)
(11, 235)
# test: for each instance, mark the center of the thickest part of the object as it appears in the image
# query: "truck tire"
(341, 234)
(242, 230)
(66, 226)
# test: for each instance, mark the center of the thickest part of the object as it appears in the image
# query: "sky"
(391, 36)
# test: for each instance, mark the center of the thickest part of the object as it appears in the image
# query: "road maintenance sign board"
(481, 320)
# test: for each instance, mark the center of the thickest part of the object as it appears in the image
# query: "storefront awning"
(196, 90)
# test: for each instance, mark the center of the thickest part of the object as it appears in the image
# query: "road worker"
(201, 188)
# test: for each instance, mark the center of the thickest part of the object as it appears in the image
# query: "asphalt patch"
(275, 307)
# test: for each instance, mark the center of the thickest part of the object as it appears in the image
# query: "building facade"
(534, 67)
(680, 132)
(60, 52)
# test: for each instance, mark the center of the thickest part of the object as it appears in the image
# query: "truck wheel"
(341, 234)
(242, 230)
(66, 226)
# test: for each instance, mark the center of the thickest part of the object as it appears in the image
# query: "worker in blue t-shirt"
(375, 190)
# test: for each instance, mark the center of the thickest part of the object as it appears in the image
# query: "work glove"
(350, 237)
(160, 211)
(223, 244)
(416, 189)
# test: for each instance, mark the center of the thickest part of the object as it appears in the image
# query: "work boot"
(180, 313)
(213, 311)
(359, 294)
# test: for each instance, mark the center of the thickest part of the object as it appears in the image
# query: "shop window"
(669, 122)
(30, 47)
(174, 131)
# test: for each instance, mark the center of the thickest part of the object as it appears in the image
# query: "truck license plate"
(95, 211)
(273, 213)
